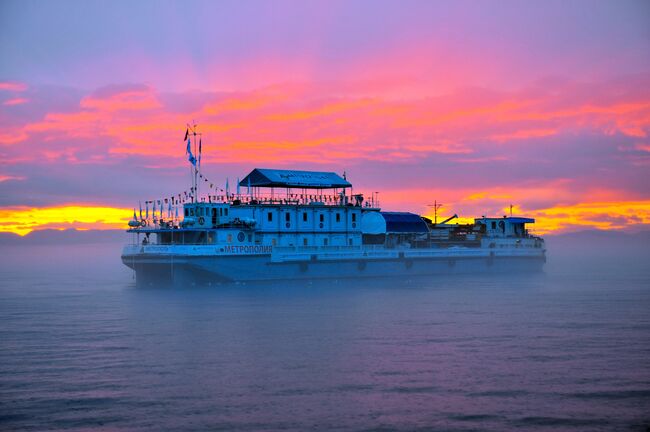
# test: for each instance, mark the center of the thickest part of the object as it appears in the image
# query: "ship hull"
(179, 269)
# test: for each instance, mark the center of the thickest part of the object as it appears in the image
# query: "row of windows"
(305, 242)
(287, 217)
(203, 212)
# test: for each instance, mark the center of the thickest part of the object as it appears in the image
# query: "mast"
(194, 169)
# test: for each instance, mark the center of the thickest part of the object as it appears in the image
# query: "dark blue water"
(82, 349)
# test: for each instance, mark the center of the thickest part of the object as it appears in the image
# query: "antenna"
(436, 205)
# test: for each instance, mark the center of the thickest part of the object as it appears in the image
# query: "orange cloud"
(600, 215)
(22, 220)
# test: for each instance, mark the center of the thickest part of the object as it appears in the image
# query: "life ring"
(143, 223)
(201, 220)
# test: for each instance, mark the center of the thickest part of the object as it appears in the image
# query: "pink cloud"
(13, 86)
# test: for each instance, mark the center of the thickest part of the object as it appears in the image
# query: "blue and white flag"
(188, 150)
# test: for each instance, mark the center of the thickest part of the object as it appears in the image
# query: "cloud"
(553, 143)
(12, 86)
(23, 220)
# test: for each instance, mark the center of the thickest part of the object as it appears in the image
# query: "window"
(221, 211)
(225, 212)
(269, 216)
(187, 212)
(350, 242)
(287, 217)
(304, 241)
(338, 217)
(322, 217)
(304, 216)
(214, 212)
(354, 217)
(191, 212)
(494, 225)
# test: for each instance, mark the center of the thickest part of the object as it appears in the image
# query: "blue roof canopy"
(521, 220)
(262, 177)
(404, 222)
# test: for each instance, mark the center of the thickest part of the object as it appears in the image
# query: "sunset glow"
(407, 107)
(23, 220)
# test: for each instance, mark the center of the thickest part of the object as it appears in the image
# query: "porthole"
(321, 225)
(241, 236)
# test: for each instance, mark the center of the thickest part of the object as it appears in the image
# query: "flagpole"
(196, 183)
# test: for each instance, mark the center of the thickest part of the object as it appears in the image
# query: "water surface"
(81, 348)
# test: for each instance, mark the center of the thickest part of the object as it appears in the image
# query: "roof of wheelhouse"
(262, 177)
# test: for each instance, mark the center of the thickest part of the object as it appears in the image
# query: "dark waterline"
(82, 349)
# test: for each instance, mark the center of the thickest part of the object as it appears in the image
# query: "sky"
(478, 105)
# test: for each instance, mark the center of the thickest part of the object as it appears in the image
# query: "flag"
(200, 141)
(237, 186)
(134, 217)
(188, 151)
(187, 132)
(227, 187)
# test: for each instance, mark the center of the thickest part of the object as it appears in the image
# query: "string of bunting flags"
(180, 198)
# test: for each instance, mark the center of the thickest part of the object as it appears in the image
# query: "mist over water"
(568, 349)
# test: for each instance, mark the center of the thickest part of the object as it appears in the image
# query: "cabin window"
(187, 212)
(191, 212)
(214, 212)
(305, 241)
(324, 242)
(287, 217)
(304, 216)
(322, 217)
(494, 225)
(354, 217)
(338, 217)
(229, 238)
(225, 212)
(269, 216)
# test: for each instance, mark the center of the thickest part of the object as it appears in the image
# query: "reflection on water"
(81, 348)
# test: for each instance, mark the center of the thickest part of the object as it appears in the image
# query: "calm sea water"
(81, 348)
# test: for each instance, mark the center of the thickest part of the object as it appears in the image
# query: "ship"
(309, 225)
